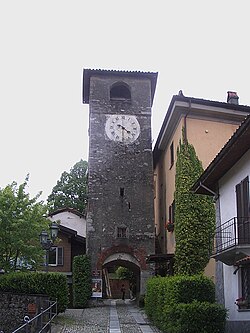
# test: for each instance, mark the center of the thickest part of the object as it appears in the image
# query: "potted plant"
(242, 303)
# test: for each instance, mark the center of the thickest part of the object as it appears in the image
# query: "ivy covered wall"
(194, 215)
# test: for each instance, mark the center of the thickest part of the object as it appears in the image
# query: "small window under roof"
(120, 91)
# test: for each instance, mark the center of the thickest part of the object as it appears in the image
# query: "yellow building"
(207, 125)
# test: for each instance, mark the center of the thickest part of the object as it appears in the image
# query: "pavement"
(105, 316)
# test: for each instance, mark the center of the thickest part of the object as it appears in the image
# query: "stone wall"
(14, 307)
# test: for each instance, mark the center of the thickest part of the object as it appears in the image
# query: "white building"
(70, 218)
(227, 179)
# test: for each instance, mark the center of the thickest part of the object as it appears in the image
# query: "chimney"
(232, 97)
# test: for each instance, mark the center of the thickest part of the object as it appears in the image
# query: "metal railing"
(233, 232)
(41, 322)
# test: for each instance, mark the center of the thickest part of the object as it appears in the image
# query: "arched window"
(120, 91)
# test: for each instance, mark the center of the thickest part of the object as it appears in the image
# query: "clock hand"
(124, 128)
(119, 125)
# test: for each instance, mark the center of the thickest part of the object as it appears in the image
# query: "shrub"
(196, 317)
(52, 284)
(81, 281)
(186, 289)
(170, 302)
(154, 298)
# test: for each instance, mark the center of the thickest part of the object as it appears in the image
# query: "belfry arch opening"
(113, 282)
(120, 91)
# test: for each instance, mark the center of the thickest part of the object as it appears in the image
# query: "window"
(171, 210)
(242, 197)
(242, 201)
(56, 256)
(171, 155)
(120, 91)
(122, 191)
(245, 282)
(122, 232)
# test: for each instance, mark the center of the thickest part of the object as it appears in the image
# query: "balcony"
(232, 240)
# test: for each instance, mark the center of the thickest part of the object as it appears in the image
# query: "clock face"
(122, 128)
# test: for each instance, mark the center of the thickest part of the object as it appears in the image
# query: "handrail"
(233, 232)
(29, 321)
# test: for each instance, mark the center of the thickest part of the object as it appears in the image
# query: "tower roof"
(87, 73)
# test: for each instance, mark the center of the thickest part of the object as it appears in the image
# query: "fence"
(41, 322)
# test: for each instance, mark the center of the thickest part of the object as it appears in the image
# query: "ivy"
(194, 215)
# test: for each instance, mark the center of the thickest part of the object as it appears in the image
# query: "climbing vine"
(194, 215)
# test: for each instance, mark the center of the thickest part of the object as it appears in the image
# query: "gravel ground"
(127, 322)
(95, 319)
(89, 320)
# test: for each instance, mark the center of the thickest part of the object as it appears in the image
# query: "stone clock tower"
(120, 216)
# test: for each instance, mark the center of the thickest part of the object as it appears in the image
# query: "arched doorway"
(112, 284)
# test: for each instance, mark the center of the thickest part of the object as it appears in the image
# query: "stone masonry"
(13, 308)
(120, 178)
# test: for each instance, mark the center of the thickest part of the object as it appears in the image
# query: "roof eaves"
(232, 151)
(67, 230)
(190, 101)
(157, 150)
(67, 209)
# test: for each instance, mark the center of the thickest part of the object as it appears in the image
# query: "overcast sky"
(201, 47)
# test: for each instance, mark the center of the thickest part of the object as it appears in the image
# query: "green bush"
(52, 284)
(196, 317)
(123, 273)
(178, 289)
(154, 298)
(186, 289)
(81, 281)
(170, 299)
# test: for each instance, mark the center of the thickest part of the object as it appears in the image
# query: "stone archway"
(125, 260)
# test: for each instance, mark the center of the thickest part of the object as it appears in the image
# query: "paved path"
(108, 316)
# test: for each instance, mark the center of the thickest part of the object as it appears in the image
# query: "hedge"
(185, 289)
(52, 284)
(195, 317)
(175, 303)
(81, 281)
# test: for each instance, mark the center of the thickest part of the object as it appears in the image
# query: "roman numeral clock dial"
(122, 128)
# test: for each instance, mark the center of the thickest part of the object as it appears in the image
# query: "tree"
(71, 190)
(21, 222)
(194, 215)
(124, 273)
